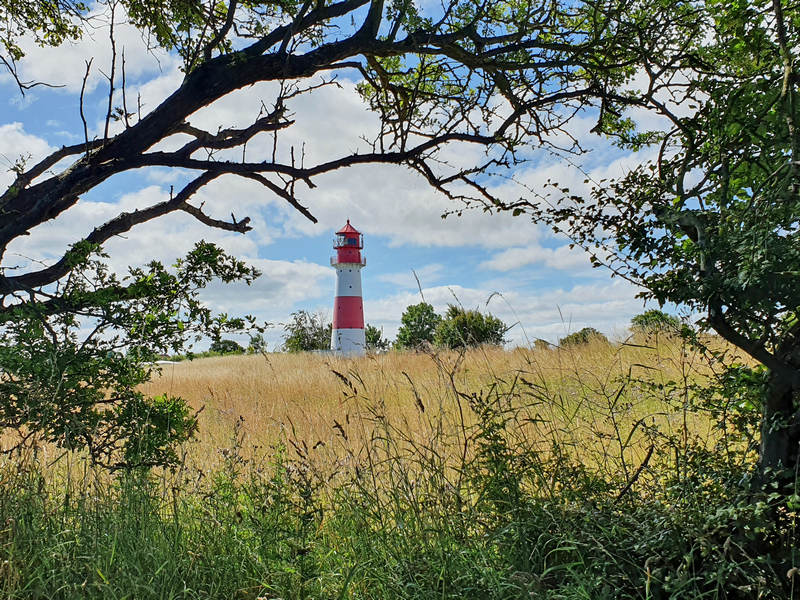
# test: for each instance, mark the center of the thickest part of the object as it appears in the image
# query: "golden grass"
(603, 397)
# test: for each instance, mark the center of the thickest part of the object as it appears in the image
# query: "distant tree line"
(421, 326)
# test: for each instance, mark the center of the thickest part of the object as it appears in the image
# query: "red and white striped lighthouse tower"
(348, 307)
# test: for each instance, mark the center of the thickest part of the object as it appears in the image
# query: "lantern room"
(348, 244)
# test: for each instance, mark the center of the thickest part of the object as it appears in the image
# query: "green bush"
(461, 328)
(307, 332)
(226, 347)
(71, 370)
(417, 326)
(654, 321)
(375, 340)
(584, 336)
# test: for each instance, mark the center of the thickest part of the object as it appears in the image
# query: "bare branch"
(282, 193)
(112, 74)
(83, 116)
(122, 223)
(223, 32)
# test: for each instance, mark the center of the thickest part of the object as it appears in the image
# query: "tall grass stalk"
(596, 472)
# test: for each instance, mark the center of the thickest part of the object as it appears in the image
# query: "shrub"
(226, 347)
(375, 340)
(307, 332)
(418, 325)
(584, 336)
(653, 321)
(463, 328)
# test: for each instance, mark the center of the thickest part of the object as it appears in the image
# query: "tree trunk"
(780, 434)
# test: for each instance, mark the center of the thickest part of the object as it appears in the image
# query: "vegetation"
(417, 326)
(712, 224)
(71, 377)
(257, 344)
(432, 75)
(577, 472)
(307, 332)
(375, 340)
(500, 483)
(655, 321)
(584, 336)
(223, 346)
(462, 328)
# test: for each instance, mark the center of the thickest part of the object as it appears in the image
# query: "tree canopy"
(654, 321)
(583, 336)
(306, 332)
(712, 222)
(417, 326)
(464, 328)
(496, 76)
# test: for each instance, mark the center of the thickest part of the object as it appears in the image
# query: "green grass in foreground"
(505, 507)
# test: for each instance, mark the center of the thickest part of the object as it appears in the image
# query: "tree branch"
(120, 224)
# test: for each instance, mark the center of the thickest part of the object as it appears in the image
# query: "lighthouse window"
(352, 242)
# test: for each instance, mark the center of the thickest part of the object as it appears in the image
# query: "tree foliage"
(584, 336)
(225, 346)
(306, 332)
(375, 340)
(417, 326)
(463, 328)
(654, 321)
(71, 366)
(713, 223)
(496, 77)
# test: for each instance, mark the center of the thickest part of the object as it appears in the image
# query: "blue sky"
(528, 276)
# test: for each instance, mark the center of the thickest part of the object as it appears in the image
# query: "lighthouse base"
(350, 342)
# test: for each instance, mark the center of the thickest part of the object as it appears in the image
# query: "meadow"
(594, 471)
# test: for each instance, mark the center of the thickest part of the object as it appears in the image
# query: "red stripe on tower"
(348, 312)
(348, 307)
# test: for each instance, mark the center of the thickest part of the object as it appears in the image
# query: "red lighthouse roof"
(347, 229)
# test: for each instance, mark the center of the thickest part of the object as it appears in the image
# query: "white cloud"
(425, 275)
(563, 258)
(550, 315)
(65, 65)
(273, 295)
(16, 145)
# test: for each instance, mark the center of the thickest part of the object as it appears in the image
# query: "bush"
(71, 367)
(463, 328)
(307, 332)
(654, 321)
(226, 347)
(375, 340)
(257, 344)
(584, 336)
(418, 325)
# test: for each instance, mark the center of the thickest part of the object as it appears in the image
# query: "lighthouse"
(348, 307)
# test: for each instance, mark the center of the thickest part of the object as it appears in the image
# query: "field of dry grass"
(610, 399)
(585, 472)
